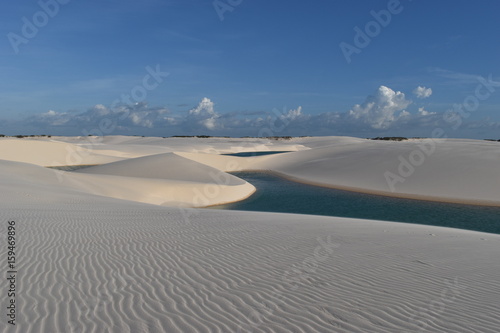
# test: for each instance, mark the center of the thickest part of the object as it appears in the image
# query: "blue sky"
(225, 77)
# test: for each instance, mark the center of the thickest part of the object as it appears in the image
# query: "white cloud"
(209, 123)
(456, 77)
(101, 109)
(292, 114)
(57, 118)
(204, 114)
(423, 112)
(205, 106)
(384, 112)
(422, 92)
(379, 111)
(124, 116)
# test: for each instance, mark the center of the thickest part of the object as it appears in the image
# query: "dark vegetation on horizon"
(197, 136)
(400, 138)
(164, 137)
(25, 136)
(227, 137)
(390, 138)
(384, 138)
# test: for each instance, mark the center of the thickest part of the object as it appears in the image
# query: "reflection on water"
(275, 194)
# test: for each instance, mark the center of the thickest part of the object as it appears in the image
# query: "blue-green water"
(275, 194)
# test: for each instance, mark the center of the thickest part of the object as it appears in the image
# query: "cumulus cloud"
(205, 106)
(382, 109)
(292, 114)
(204, 114)
(51, 117)
(384, 112)
(122, 116)
(423, 112)
(54, 117)
(422, 92)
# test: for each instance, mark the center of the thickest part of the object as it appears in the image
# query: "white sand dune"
(92, 264)
(442, 170)
(49, 153)
(162, 166)
(131, 147)
(167, 179)
(196, 185)
(90, 259)
(462, 171)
